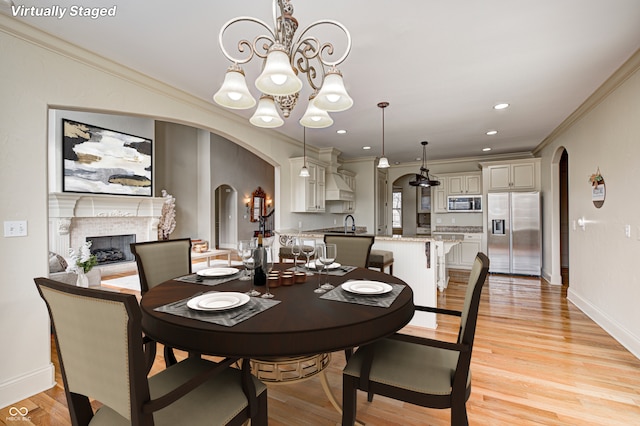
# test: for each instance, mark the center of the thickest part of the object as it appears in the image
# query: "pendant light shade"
(423, 178)
(234, 92)
(383, 163)
(266, 114)
(333, 97)
(278, 78)
(304, 172)
(315, 117)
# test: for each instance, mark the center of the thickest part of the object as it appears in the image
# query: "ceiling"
(441, 65)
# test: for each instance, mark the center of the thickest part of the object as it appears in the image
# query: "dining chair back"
(98, 337)
(159, 261)
(422, 371)
(352, 250)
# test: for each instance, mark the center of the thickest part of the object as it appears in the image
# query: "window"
(396, 212)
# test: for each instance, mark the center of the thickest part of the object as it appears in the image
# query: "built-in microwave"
(471, 203)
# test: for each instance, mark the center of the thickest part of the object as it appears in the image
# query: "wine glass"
(250, 262)
(320, 248)
(296, 251)
(327, 257)
(309, 249)
(242, 246)
(267, 265)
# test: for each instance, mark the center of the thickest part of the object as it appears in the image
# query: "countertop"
(319, 233)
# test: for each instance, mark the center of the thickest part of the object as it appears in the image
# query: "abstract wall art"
(102, 161)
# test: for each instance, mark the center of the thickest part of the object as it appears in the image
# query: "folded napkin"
(197, 279)
(338, 272)
(227, 318)
(382, 300)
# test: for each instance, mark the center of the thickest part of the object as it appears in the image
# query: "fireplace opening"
(112, 248)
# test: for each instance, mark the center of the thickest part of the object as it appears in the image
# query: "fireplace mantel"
(70, 205)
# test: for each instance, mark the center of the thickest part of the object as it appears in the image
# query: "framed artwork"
(102, 161)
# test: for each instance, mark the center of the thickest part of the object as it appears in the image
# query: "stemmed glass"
(242, 246)
(308, 248)
(296, 251)
(250, 262)
(320, 249)
(267, 265)
(327, 256)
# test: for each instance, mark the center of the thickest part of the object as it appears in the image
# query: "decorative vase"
(82, 280)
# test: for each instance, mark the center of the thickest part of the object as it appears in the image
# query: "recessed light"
(492, 132)
(501, 106)
(486, 149)
(366, 147)
(341, 132)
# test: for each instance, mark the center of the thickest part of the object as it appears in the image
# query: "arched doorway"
(560, 218)
(226, 232)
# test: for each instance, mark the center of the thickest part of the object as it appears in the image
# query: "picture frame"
(96, 160)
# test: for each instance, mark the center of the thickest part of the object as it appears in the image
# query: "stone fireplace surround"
(73, 217)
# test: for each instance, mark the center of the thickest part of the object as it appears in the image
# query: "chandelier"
(285, 56)
(423, 178)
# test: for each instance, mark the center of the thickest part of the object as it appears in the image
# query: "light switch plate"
(15, 228)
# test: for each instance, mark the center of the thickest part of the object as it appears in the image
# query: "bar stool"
(381, 259)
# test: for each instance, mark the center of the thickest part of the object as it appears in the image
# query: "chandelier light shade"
(304, 172)
(333, 97)
(278, 78)
(383, 162)
(234, 92)
(315, 117)
(266, 114)
(423, 178)
(286, 57)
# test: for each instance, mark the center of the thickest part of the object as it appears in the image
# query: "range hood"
(336, 189)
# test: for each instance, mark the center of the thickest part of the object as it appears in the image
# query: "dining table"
(294, 324)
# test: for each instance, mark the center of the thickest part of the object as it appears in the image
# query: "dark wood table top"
(302, 324)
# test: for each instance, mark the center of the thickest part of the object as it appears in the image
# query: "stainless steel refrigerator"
(515, 233)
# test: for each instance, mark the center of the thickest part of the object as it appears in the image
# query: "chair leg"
(459, 414)
(169, 357)
(349, 400)
(370, 396)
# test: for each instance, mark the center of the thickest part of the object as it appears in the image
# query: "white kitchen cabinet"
(464, 184)
(462, 256)
(423, 199)
(439, 195)
(307, 194)
(513, 176)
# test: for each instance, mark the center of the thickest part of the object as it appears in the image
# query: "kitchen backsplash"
(460, 229)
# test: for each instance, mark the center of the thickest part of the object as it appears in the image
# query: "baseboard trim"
(27, 385)
(615, 330)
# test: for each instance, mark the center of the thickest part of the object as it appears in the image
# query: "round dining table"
(302, 323)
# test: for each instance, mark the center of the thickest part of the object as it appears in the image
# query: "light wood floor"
(537, 361)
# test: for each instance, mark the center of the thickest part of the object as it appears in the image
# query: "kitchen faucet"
(353, 223)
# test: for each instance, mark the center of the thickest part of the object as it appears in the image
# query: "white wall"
(603, 276)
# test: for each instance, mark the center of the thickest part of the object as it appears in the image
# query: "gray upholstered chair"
(353, 250)
(101, 350)
(159, 261)
(426, 372)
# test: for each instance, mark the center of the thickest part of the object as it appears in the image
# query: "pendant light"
(423, 178)
(304, 172)
(383, 163)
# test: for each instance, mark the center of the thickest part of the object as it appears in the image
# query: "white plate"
(218, 301)
(217, 272)
(366, 287)
(334, 265)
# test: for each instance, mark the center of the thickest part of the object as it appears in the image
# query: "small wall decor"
(598, 191)
(101, 161)
(258, 205)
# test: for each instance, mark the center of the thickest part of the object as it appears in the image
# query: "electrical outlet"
(15, 228)
(627, 231)
(453, 220)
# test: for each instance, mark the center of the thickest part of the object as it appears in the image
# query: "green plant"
(83, 259)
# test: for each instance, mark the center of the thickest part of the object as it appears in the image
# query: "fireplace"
(112, 248)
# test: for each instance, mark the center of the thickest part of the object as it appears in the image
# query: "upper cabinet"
(516, 175)
(307, 194)
(465, 184)
(423, 199)
(439, 195)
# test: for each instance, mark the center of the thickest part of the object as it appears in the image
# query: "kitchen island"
(419, 261)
